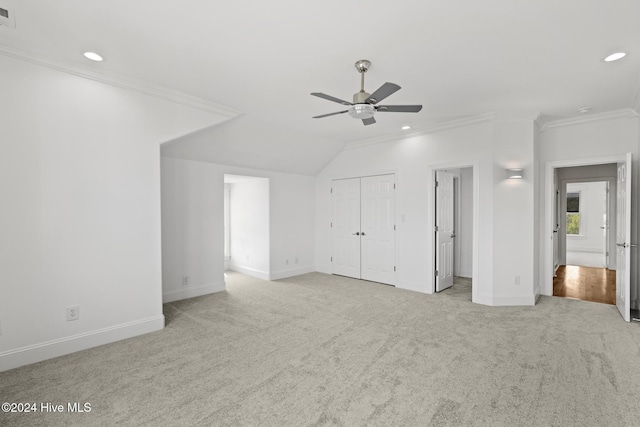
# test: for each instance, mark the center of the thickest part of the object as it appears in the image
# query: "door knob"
(355, 234)
(362, 233)
(626, 245)
(453, 235)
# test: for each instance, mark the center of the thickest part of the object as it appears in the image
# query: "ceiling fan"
(364, 105)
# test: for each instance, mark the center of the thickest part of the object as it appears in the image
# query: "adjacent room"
(330, 213)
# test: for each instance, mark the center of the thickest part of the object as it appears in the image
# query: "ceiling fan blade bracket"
(382, 92)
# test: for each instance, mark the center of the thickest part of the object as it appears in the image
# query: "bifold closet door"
(363, 228)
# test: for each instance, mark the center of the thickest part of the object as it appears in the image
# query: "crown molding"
(423, 130)
(125, 83)
(541, 121)
(636, 103)
(607, 115)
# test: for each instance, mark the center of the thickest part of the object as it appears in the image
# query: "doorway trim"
(431, 219)
(549, 195)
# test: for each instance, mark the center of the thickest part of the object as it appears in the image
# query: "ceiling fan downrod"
(362, 66)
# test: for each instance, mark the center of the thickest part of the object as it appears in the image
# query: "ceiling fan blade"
(330, 114)
(368, 121)
(331, 98)
(382, 92)
(399, 108)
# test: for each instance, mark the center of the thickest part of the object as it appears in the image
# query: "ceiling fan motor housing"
(360, 97)
(362, 111)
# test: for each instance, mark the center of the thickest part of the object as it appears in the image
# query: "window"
(573, 213)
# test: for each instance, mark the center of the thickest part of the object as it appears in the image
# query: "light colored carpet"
(319, 350)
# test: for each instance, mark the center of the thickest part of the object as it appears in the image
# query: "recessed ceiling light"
(93, 56)
(584, 110)
(615, 56)
(405, 127)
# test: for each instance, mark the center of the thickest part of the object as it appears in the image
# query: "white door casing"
(444, 230)
(363, 228)
(345, 227)
(623, 239)
(605, 227)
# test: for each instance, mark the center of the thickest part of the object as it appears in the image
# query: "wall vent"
(6, 17)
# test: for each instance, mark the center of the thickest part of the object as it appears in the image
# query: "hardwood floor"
(585, 283)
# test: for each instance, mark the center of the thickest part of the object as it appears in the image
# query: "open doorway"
(557, 173)
(454, 218)
(586, 207)
(246, 223)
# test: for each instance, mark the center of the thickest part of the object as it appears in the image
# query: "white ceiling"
(457, 58)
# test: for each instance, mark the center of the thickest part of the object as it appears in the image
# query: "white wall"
(464, 233)
(505, 209)
(595, 139)
(249, 221)
(80, 217)
(194, 241)
(592, 210)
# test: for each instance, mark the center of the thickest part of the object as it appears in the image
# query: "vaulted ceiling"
(263, 59)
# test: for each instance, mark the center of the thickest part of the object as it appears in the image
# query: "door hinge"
(437, 183)
(331, 259)
(394, 186)
(394, 268)
(435, 228)
(331, 225)
(394, 227)
(331, 190)
(436, 273)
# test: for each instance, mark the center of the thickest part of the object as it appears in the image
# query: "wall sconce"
(514, 173)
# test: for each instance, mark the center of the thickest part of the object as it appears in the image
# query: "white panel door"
(345, 227)
(623, 239)
(444, 230)
(377, 233)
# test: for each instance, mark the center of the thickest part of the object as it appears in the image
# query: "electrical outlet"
(185, 280)
(73, 313)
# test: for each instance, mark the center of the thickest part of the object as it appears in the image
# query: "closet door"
(377, 235)
(345, 227)
(363, 228)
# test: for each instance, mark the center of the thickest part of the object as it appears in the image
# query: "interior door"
(377, 232)
(623, 239)
(345, 227)
(444, 230)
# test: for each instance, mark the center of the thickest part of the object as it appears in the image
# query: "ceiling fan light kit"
(364, 105)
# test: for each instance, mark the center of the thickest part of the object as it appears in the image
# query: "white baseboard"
(189, 292)
(413, 286)
(326, 269)
(282, 274)
(588, 249)
(59, 347)
(250, 271)
(506, 300)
